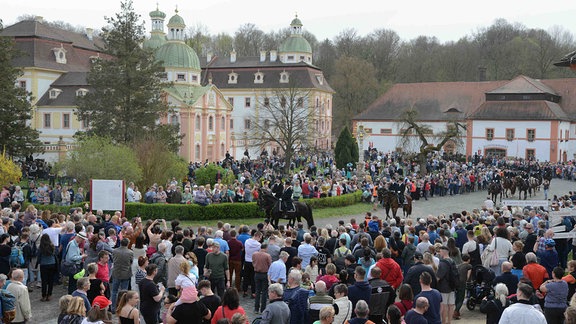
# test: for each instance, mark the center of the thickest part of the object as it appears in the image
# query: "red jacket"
(391, 272)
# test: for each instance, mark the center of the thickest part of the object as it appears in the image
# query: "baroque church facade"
(213, 100)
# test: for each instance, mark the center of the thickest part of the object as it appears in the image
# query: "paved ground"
(47, 312)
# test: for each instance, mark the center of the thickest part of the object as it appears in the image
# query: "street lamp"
(360, 167)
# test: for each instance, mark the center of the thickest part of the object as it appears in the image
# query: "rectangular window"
(510, 134)
(530, 154)
(283, 102)
(300, 102)
(22, 84)
(368, 130)
(290, 57)
(385, 130)
(405, 131)
(65, 120)
(247, 123)
(266, 102)
(181, 77)
(194, 78)
(247, 102)
(231, 123)
(489, 134)
(47, 120)
(231, 100)
(531, 134)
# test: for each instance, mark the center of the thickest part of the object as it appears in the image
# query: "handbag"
(494, 260)
(68, 268)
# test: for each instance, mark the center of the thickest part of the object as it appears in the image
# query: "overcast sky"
(446, 19)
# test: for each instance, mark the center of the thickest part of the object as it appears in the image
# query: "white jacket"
(522, 313)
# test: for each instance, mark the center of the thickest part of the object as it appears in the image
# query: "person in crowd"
(533, 271)
(122, 270)
(391, 271)
(230, 306)
(63, 303)
(413, 275)
(261, 261)
(235, 259)
(361, 290)
(47, 259)
(277, 311)
(306, 250)
(361, 311)
(444, 285)
(74, 254)
(76, 311)
(344, 305)
(99, 313)
(251, 245)
(209, 299)
(150, 295)
(522, 311)
(406, 296)
(556, 291)
(20, 291)
(217, 266)
(416, 315)
(506, 277)
(433, 296)
(297, 298)
(378, 285)
(493, 307)
(277, 270)
(326, 315)
(318, 301)
(83, 285)
(174, 269)
(549, 257)
(183, 313)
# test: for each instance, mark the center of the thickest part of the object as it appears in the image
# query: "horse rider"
(286, 198)
(277, 188)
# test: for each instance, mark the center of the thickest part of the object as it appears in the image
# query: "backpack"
(34, 247)
(453, 274)
(8, 306)
(17, 256)
(159, 260)
(373, 226)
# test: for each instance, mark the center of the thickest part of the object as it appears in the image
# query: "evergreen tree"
(346, 150)
(125, 100)
(17, 138)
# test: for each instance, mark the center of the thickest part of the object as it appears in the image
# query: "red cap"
(101, 301)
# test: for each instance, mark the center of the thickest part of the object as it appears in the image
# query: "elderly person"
(277, 311)
(317, 302)
(326, 315)
(361, 310)
(344, 304)
(83, 285)
(20, 291)
(494, 307)
(72, 253)
(297, 298)
(533, 271)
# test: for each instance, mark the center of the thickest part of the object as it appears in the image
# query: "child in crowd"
(312, 269)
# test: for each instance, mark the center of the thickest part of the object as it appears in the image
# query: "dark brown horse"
(270, 205)
(523, 186)
(495, 189)
(509, 186)
(388, 199)
(407, 206)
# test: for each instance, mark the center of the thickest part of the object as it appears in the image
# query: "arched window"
(211, 123)
(174, 120)
(222, 149)
(223, 123)
(197, 152)
(197, 122)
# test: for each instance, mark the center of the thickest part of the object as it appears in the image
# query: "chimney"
(39, 19)
(90, 33)
(262, 56)
(273, 56)
(208, 57)
(481, 73)
(233, 56)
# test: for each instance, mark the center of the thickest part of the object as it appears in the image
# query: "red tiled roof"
(519, 110)
(523, 84)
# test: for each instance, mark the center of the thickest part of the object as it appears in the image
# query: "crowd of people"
(419, 271)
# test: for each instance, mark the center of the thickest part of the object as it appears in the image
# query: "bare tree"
(284, 117)
(415, 134)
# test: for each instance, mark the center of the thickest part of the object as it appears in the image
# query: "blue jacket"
(361, 290)
(297, 300)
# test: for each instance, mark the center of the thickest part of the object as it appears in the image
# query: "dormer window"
(54, 93)
(81, 92)
(258, 77)
(60, 54)
(180, 77)
(320, 78)
(233, 78)
(284, 77)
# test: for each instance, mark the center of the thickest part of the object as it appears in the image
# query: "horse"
(495, 189)
(509, 185)
(389, 199)
(270, 204)
(407, 207)
(535, 182)
(523, 187)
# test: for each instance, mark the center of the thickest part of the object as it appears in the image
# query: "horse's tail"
(308, 215)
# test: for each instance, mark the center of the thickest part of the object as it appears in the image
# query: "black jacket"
(413, 277)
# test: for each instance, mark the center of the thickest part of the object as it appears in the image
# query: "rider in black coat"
(286, 197)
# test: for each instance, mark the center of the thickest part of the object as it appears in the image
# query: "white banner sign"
(555, 217)
(524, 203)
(565, 235)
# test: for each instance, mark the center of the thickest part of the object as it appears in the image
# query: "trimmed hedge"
(195, 212)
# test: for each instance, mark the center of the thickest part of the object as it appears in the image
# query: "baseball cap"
(101, 301)
(550, 243)
(418, 255)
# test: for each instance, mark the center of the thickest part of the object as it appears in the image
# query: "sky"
(448, 20)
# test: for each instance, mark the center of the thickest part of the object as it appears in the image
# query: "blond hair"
(76, 306)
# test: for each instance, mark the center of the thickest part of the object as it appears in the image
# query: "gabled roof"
(36, 29)
(519, 110)
(187, 93)
(434, 101)
(522, 84)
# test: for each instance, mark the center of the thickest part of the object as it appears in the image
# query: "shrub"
(208, 173)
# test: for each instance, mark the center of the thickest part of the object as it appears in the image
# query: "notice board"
(107, 195)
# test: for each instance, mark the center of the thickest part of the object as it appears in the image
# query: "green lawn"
(358, 208)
